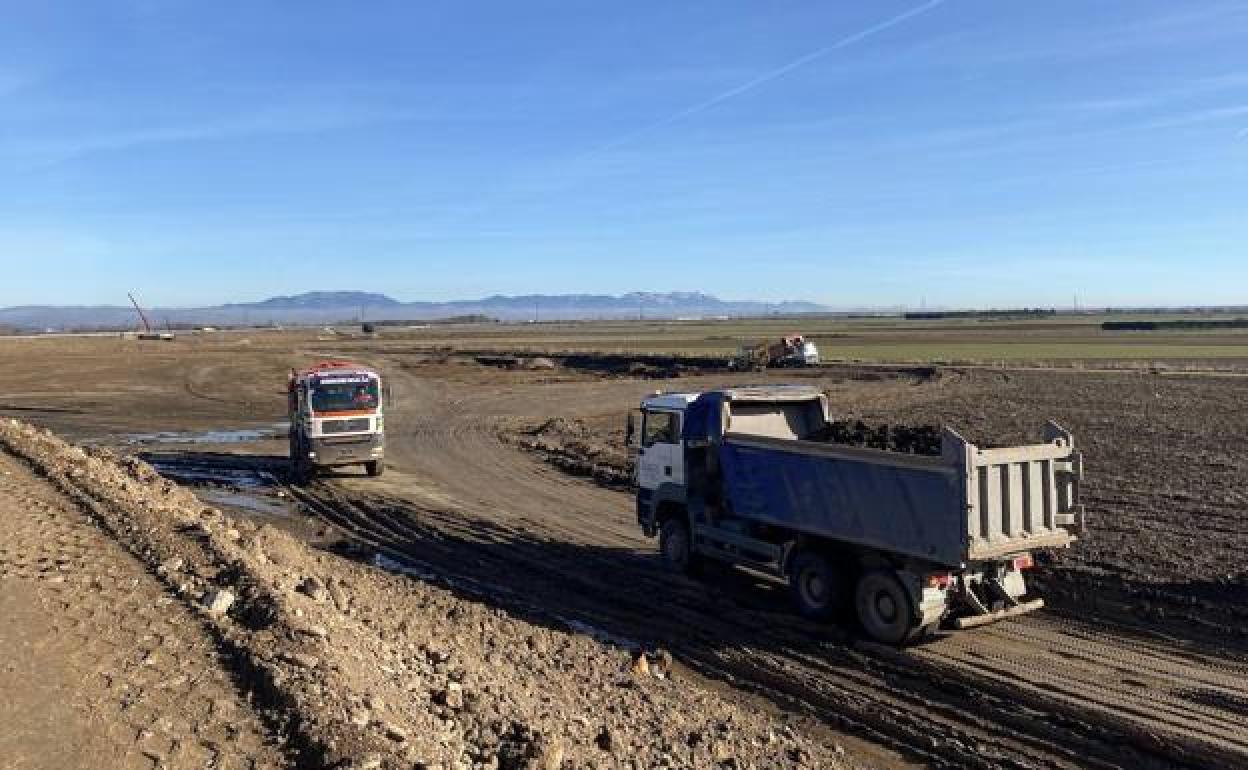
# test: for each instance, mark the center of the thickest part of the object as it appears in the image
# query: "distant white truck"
(906, 541)
(336, 411)
(791, 351)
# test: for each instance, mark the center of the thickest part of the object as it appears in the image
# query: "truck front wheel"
(676, 545)
(817, 587)
(884, 608)
(300, 467)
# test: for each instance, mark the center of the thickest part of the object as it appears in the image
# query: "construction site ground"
(504, 532)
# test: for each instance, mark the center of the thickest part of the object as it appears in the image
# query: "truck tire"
(676, 546)
(300, 468)
(817, 587)
(884, 608)
(375, 467)
(302, 471)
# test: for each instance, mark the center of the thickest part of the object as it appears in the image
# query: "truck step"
(973, 621)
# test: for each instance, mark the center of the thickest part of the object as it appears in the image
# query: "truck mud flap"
(973, 621)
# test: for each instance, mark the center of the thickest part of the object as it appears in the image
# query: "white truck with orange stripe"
(336, 418)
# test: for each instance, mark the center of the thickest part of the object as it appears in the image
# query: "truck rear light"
(1024, 562)
(940, 581)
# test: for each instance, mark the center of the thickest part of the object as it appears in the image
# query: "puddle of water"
(197, 475)
(238, 436)
(230, 498)
(244, 489)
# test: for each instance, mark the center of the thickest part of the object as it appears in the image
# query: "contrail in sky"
(749, 85)
(767, 77)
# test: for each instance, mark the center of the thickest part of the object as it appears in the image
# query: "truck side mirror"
(630, 435)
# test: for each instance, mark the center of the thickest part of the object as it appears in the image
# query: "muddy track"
(1045, 692)
(1040, 692)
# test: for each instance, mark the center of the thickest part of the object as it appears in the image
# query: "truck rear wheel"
(818, 588)
(676, 545)
(884, 608)
(375, 467)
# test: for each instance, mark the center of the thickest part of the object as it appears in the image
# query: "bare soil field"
(1141, 664)
(1170, 521)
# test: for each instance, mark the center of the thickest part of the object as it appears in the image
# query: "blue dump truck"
(906, 540)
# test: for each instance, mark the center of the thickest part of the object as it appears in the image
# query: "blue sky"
(965, 152)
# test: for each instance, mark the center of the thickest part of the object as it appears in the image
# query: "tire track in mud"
(919, 701)
(1036, 692)
(935, 732)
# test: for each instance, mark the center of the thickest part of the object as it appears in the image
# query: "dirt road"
(1047, 691)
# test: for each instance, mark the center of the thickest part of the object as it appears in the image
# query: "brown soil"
(1142, 665)
(102, 667)
(576, 447)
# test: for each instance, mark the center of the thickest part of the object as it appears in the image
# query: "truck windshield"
(345, 395)
(661, 428)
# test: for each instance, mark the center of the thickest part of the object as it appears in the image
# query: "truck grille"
(353, 425)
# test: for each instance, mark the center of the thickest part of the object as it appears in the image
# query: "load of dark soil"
(907, 439)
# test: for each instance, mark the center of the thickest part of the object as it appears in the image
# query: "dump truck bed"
(967, 505)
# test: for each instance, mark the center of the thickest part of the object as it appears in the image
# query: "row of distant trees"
(988, 315)
(1185, 324)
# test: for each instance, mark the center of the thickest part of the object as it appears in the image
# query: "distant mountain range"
(325, 307)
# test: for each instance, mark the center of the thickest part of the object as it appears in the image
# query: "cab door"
(659, 458)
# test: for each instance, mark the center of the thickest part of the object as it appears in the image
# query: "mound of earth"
(579, 449)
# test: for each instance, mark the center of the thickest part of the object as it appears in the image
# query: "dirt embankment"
(579, 448)
(364, 668)
(102, 668)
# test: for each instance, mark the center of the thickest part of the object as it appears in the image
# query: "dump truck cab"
(749, 477)
(655, 433)
(336, 411)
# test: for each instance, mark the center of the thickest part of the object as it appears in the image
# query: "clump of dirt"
(579, 449)
(374, 669)
(908, 439)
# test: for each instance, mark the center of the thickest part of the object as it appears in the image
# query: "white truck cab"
(809, 353)
(655, 433)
